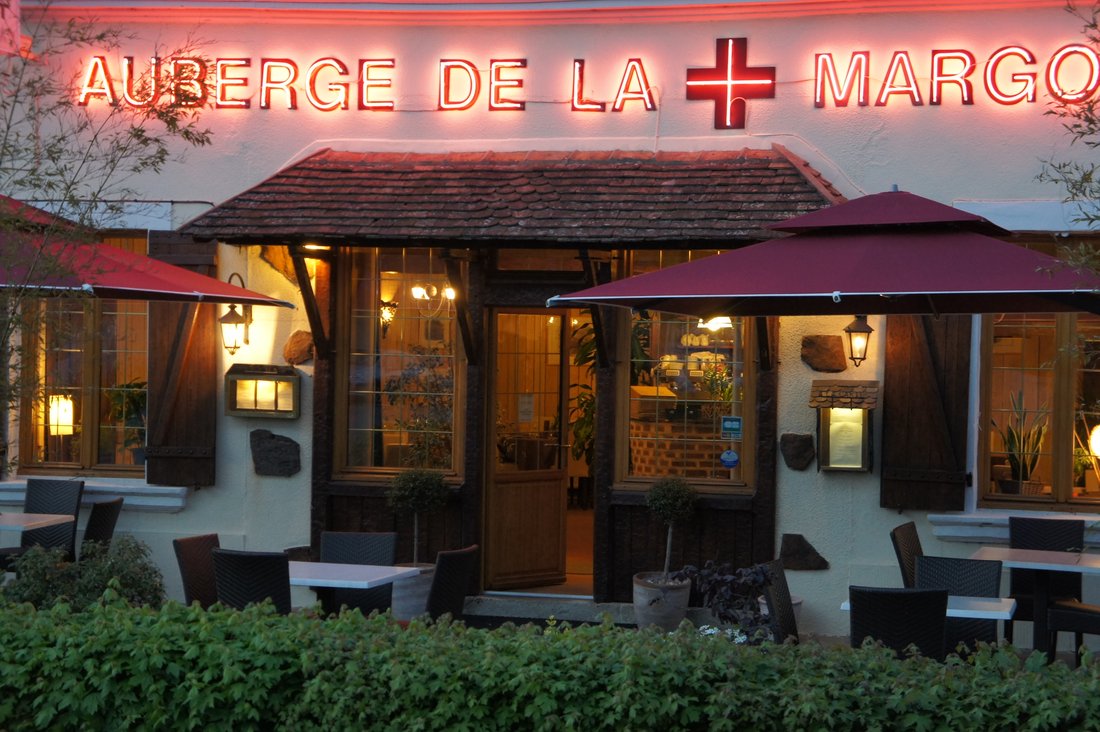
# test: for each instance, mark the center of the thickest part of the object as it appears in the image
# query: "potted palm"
(418, 491)
(1022, 439)
(661, 599)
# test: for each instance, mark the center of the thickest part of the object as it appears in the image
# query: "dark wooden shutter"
(924, 412)
(183, 375)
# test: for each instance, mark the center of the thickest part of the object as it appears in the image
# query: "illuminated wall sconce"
(859, 337)
(387, 311)
(262, 390)
(430, 299)
(61, 415)
(235, 325)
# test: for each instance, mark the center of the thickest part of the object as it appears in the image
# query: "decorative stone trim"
(991, 527)
(138, 495)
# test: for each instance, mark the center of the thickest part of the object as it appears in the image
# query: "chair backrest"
(907, 547)
(244, 578)
(53, 496)
(971, 577)
(777, 596)
(455, 571)
(196, 560)
(899, 617)
(358, 547)
(101, 522)
(1060, 535)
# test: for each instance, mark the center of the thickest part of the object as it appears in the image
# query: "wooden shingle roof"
(522, 198)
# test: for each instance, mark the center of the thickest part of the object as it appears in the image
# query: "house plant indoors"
(660, 598)
(418, 491)
(1022, 441)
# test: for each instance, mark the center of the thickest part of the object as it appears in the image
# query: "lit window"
(401, 361)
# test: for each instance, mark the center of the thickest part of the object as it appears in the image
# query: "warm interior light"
(387, 311)
(235, 328)
(61, 415)
(420, 292)
(716, 324)
(859, 337)
(449, 292)
(1094, 441)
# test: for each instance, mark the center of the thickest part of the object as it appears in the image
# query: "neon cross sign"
(730, 83)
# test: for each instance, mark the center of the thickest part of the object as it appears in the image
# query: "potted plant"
(1022, 439)
(418, 491)
(661, 599)
(733, 596)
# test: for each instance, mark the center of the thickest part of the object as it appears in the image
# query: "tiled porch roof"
(546, 198)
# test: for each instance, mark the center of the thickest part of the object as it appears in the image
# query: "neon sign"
(1010, 75)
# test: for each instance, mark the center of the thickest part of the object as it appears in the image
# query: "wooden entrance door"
(526, 492)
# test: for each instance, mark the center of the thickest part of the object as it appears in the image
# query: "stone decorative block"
(298, 348)
(797, 450)
(824, 353)
(797, 553)
(274, 454)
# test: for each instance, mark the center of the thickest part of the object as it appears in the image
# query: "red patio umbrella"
(56, 267)
(887, 253)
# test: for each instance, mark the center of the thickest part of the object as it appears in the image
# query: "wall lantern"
(430, 300)
(61, 415)
(859, 337)
(262, 390)
(387, 311)
(235, 325)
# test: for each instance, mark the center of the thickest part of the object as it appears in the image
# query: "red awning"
(872, 263)
(108, 272)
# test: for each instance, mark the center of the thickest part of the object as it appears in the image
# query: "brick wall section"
(667, 448)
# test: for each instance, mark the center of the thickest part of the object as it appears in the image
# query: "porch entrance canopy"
(887, 253)
(56, 267)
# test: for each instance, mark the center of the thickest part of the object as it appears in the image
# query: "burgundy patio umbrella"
(887, 253)
(56, 267)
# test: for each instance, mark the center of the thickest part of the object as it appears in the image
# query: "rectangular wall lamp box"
(262, 390)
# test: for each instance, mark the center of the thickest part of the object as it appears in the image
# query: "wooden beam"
(309, 299)
(598, 272)
(462, 307)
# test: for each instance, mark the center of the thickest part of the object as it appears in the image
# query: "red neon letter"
(269, 81)
(473, 81)
(580, 104)
(496, 84)
(340, 101)
(856, 79)
(1055, 66)
(992, 86)
(222, 82)
(899, 64)
(634, 73)
(940, 77)
(150, 85)
(366, 83)
(97, 83)
(189, 89)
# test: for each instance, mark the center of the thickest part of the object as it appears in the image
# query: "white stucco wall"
(983, 152)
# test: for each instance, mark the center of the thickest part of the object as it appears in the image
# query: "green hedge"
(115, 667)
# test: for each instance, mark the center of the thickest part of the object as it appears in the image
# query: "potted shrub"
(418, 491)
(733, 596)
(661, 599)
(1022, 440)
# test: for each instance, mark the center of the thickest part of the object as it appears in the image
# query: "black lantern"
(859, 337)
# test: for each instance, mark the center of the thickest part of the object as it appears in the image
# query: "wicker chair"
(196, 561)
(244, 578)
(101, 523)
(907, 547)
(970, 577)
(355, 547)
(777, 597)
(1075, 617)
(1052, 535)
(48, 496)
(455, 571)
(899, 618)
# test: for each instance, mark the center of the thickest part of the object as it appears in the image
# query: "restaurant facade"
(420, 178)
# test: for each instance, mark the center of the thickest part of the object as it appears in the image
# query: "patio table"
(1043, 562)
(353, 576)
(24, 521)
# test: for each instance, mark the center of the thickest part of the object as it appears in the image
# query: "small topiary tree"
(417, 491)
(671, 499)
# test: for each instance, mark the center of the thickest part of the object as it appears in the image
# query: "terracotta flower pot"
(660, 602)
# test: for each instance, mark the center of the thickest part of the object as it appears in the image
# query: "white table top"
(354, 576)
(1084, 563)
(981, 608)
(33, 520)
